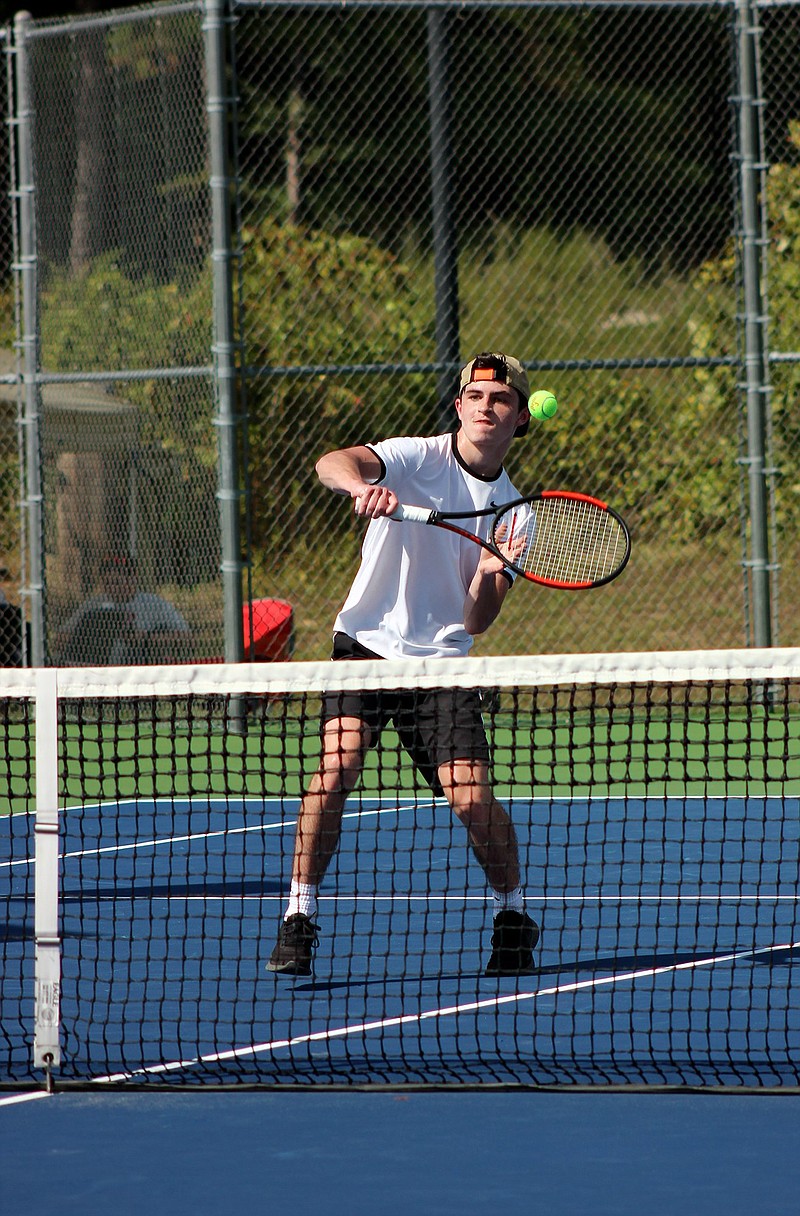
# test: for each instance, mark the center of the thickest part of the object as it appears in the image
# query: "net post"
(227, 420)
(751, 186)
(47, 1015)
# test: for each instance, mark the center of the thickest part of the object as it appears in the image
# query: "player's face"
(119, 584)
(489, 413)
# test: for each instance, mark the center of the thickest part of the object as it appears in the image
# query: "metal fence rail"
(239, 234)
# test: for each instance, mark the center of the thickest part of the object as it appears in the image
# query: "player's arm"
(485, 594)
(354, 472)
(490, 584)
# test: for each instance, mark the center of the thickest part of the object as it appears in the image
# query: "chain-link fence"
(11, 524)
(249, 235)
(118, 150)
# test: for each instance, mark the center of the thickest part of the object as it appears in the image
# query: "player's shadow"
(608, 966)
(781, 956)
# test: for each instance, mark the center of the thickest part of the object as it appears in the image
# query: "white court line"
(457, 897)
(395, 805)
(156, 842)
(237, 1053)
(31, 1097)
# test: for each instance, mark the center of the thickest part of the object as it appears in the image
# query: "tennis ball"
(542, 405)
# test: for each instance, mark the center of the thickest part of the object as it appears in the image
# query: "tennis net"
(148, 818)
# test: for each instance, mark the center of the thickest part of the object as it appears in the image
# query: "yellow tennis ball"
(542, 405)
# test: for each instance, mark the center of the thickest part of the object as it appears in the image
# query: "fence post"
(227, 420)
(27, 269)
(754, 318)
(445, 239)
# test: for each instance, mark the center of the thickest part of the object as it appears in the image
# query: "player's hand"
(375, 501)
(512, 548)
(489, 564)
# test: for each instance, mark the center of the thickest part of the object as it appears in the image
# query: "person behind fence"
(10, 631)
(123, 625)
(420, 593)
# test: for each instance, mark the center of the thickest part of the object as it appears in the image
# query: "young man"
(420, 593)
(122, 625)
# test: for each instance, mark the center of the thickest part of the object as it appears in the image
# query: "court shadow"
(782, 956)
(13, 931)
(177, 890)
(618, 964)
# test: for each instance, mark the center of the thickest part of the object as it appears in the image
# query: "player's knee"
(336, 775)
(469, 803)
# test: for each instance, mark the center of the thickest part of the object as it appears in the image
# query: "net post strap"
(46, 1048)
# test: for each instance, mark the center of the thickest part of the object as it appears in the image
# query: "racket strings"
(565, 540)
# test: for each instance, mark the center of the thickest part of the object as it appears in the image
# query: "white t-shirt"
(151, 612)
(407, 599)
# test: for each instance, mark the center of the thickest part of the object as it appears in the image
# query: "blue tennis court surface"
(668, 955)
(413, 1154)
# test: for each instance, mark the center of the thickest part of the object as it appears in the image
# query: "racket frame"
(426, 515)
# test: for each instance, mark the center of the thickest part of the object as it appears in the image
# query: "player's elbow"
(477, 620)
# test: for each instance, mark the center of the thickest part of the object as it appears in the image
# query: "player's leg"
(449, 730)
(319, 820)
(491, 834)
(466, 787)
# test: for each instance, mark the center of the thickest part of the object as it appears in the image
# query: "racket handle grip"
(414, 515)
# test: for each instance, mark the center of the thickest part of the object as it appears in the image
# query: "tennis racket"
(554, 538)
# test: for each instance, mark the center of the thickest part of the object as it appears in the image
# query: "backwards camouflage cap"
(493, 365)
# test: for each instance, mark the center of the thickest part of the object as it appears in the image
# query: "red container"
(273, 631)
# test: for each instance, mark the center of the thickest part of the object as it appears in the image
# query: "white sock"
(503, 901)
(303, 899)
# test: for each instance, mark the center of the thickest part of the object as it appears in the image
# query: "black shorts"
(435, 725)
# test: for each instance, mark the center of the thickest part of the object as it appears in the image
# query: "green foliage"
(311, 299)
(651, 440)
(663, 442)
(710, 472)
(103, 319)
(784, 314)
(151, 50)
(316, 299)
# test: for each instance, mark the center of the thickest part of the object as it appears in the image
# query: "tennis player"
(420, 593)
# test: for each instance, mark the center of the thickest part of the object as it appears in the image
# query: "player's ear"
(523, 420)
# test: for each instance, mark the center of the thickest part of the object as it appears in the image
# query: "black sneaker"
(513, 942)
(292, 953)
